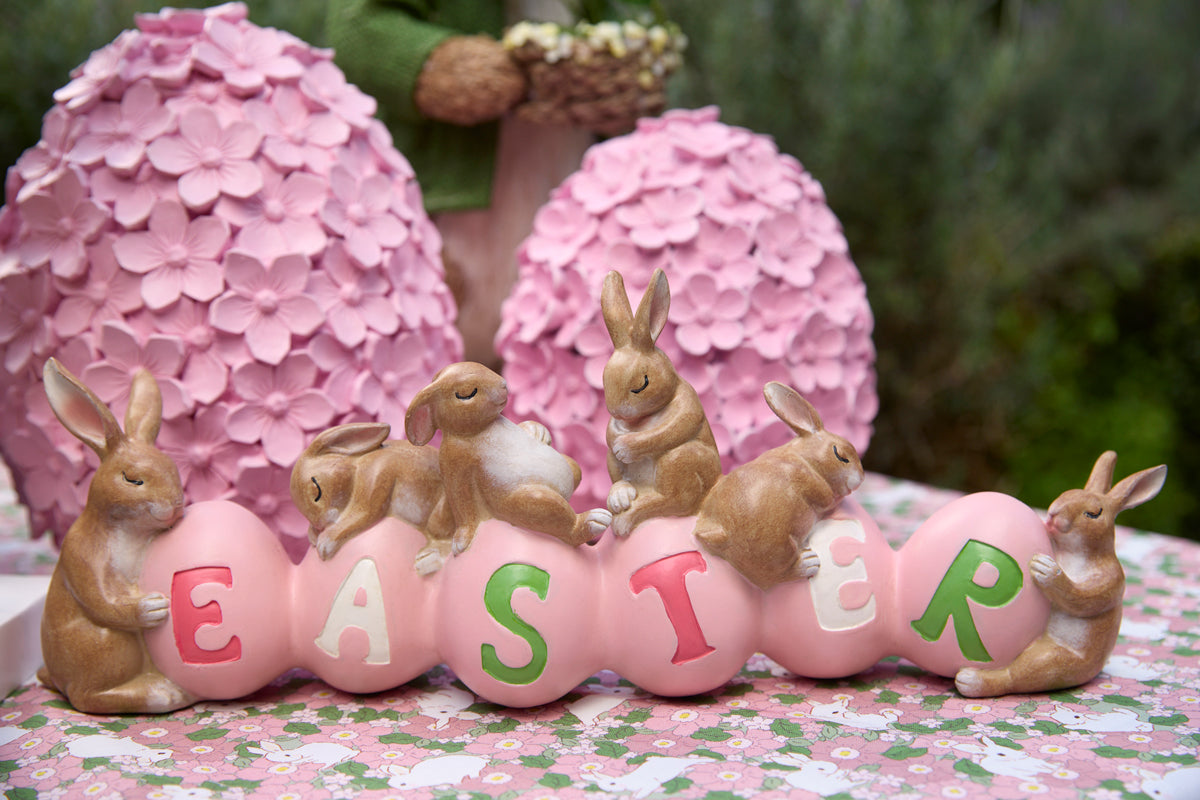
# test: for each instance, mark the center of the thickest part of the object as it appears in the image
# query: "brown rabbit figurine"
(493, 468)
(352, 476)
(94, 617)
(1084, 583)
(662, 456)
(757, 516)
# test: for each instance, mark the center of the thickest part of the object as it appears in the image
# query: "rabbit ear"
(1101, 478)
(651, 315)
(79, 410)
(351, 440)
(143, 418)
(793, 409)
(1139, 487)
(419, 425)
(614, 306)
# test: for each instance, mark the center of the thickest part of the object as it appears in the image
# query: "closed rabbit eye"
(1093, 514)
(474, 392)
(839, 456)
(316, 499)
(642, 388)
(134, 481)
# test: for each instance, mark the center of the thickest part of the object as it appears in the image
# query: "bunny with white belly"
(94, 616)
(662, 456)
(1083, 581)
(352, 476)
(757, 516)
(493, 468)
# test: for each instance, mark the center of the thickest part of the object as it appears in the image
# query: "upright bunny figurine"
(758, 515)
(1084, 583)
(493, 468)
(352, 476)
(94, 617)
(662, 455)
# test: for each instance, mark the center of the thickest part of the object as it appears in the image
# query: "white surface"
(21, 601)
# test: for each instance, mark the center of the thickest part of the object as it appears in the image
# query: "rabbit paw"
(429, 560)
(597, 522)
(537, 430)
(1044, 568)
(622, 449)
(462, 540)
(327, 546)
(810, 562)
(621, 496)
(152, 609)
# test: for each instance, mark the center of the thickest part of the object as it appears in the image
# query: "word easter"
(523, 618)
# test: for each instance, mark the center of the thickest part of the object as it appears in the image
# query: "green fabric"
(382, 45)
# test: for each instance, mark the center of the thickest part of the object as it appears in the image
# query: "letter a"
(369, 615)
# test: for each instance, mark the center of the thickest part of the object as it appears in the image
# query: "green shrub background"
(1019, 183)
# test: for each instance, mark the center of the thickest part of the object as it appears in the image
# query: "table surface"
(891, 731)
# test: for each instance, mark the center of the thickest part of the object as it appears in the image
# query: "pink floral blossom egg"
(762, 288)
(211, 200)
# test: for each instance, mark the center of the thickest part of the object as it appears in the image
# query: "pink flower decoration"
(208, 158)
(280, 407)
(118, 132)
(421, 295)
(353, 301)
(281, 217)
(267, 305)
(98, 74)
(295, 137)
(123, 354)
(662, 216)
(132, 197)
(359, 211)
(200, 447)
(166, 60)
(398, 373)
(205, 375)
(24, 303)
(176, 256)
(61, 221)
(60, 131)
(246, 56)
(264, 489)
(761, 287)
(816, 350)
(108, 293)
(707, 316)
(213, 95)
(326, 86)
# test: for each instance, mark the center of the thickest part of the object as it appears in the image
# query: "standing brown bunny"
(1084, 583)
(758, 516)
(352, 476)
(94, 617)
(662, 457)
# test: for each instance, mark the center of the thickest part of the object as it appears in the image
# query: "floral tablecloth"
(893, 731)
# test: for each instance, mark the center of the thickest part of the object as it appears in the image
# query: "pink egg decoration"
(213, 201)
(762, 288)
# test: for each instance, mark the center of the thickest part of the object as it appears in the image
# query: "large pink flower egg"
(762, 289)
(212, 201)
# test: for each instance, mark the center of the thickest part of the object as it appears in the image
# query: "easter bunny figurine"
(1084, 583)
(493, 468)
(757, 516)
(92, 626)
(352, 476)
(662, 456)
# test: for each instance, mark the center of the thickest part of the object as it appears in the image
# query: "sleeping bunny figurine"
(757, 516)
(662, 456)
(493, 468)
(352, 476)
(94, 616)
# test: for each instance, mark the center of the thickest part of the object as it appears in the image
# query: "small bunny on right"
(1084, 583)
(758, 516)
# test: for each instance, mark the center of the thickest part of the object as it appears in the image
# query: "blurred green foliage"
(1019, 183)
